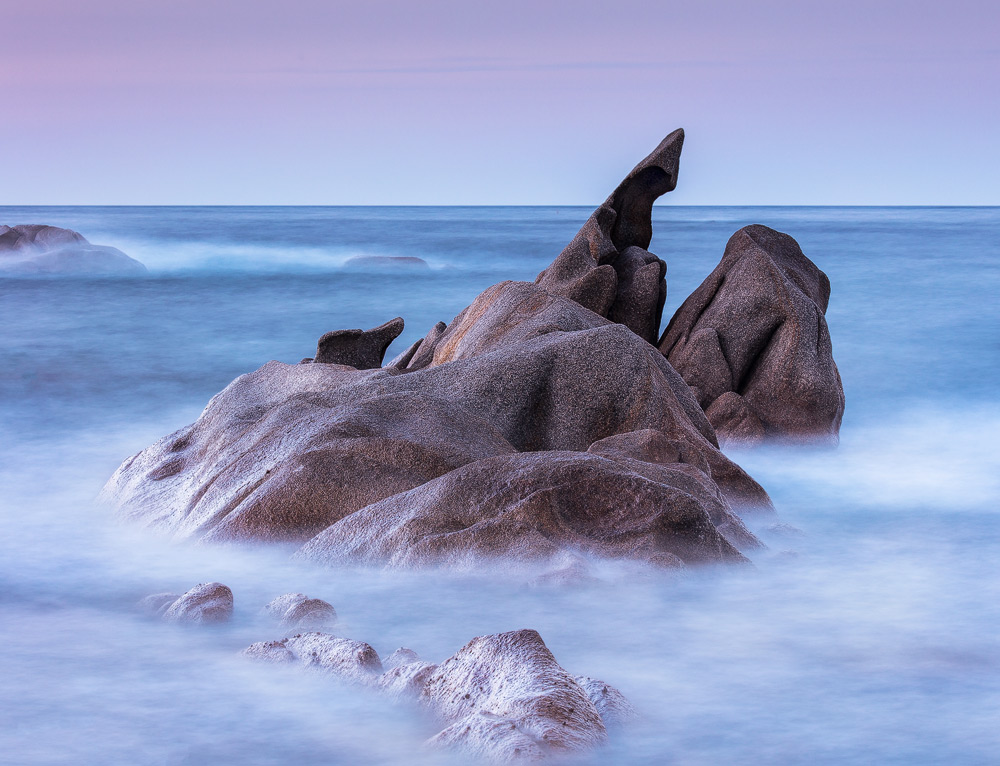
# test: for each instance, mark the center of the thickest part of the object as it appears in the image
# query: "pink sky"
(308, 102)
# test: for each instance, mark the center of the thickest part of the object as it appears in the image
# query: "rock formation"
(502, 697)
(35, 249)
(204, 603)
(541, 425)
(753, 344)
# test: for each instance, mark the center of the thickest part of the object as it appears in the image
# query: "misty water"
(870, 636)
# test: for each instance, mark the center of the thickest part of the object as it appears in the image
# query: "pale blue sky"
(313, 102)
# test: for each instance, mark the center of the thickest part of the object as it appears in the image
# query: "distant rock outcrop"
(502, 697)
(35, 249)
(385, 263)
(753, 344)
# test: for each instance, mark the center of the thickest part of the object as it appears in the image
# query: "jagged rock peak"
(606, 267)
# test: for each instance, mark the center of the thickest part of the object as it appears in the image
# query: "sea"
(868, 631)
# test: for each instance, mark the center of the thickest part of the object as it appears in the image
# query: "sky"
(385, 102)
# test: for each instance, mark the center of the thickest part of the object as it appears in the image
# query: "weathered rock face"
(35, 249)
(753, 344)
(606, 268)
(532, 507)
(502, 697)
(205, 603)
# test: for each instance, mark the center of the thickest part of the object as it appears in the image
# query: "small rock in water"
(296, 610)
(206, 603)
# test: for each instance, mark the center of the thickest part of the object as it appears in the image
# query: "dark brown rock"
(361, 349)
(606, 268)
(753, 344)
(37, 249)
(208, 602)
(287, 450)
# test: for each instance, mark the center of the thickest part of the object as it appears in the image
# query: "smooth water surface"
(871, 637)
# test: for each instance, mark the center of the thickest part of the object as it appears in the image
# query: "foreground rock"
(502, 697)
(35, 249)
(753, 344)
(204, 603)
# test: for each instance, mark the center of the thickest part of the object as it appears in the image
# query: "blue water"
(873, 637)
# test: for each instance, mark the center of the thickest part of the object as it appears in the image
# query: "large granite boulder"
(502, 697)
(606, 267)
(36, 249)
(753, 344)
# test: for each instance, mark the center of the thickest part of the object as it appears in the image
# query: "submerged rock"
(37, 249)
(296, 610)
(204, 603)
(753, 344)
(385, 263)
